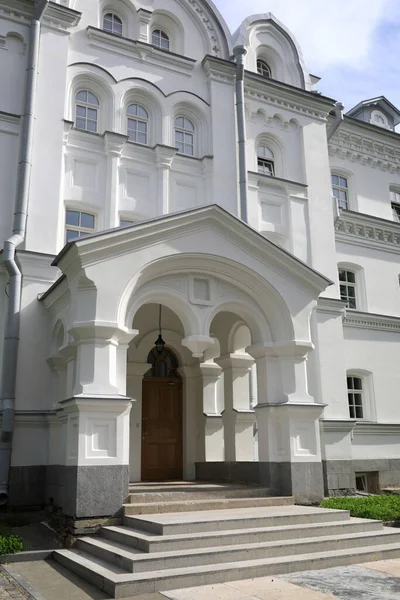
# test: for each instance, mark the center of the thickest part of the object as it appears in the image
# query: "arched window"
(163, 364)
(112, 24)
(160, 39)
(86, 111)
(263, 68)
(265, 161)
(138, 119)
(184, 135)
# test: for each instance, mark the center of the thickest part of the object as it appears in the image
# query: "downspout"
(339, 108)
(12, 328)
(239, 53)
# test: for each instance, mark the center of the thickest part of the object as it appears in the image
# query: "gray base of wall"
(339, 475)
(80, 492)
(304, 480)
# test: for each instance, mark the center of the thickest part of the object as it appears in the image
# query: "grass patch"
(381, 508)
(10, 544)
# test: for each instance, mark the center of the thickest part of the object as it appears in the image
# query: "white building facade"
(162, 177)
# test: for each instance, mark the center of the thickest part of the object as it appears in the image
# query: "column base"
(302, 480)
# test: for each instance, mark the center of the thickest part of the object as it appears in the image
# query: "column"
(238, 418)
(97, 424)
(289, 442)
(113, 146)
(165, 156)
(144, 18)
(212, 432)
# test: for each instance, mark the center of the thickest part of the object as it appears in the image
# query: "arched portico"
(236, 289)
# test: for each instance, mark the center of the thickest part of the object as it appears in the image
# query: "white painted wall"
(111, 178)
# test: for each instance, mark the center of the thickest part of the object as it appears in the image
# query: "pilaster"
(113, 146)
(164, 156)
(144, 18)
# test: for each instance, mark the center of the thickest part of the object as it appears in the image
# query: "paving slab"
(263, 588)
(350, 583)
(390, 566)
(10, 589)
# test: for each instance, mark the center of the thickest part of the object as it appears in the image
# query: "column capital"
(293, 349)
(165, 155)
(198, 344)
(210, 370)
(114, 143)
(102, 330)
(235, 361)
(68, 125)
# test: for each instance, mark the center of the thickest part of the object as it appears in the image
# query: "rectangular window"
(396, 212)
(265, 167)
(347, 281)
(355, 397)
(125, 222)
(78, 224)
(340, 191)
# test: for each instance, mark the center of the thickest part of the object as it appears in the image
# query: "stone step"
(204, 493)
(119, 585)
(139, 562)
(239, 518)
(144, 508)
(150, 543)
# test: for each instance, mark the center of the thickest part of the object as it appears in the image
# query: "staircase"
(181, 535)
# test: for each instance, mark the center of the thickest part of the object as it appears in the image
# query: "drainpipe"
(339, 108)
(239, 53)
(12, 328)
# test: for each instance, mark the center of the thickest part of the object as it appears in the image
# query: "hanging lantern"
(159, 343)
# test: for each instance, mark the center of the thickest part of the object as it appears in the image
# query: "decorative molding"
(287, 97)
(365, 149)
(114, 143)
(364, 230)
(145, 53)
(60, 18)
(330, 306)
(208, 24)
(370, 428)
(334, 425)
(219, 70)
(363, 320)
(20, 12)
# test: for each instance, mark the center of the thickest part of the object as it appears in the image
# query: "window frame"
(341, 188)
(395, 204)
(125, 222)
(262, 65)
(348, 285)
(138, 119)
(265, 163)
(163, 35)
(356, 409)
(86, 105)
(79, 229)
(185, 133)
(114, 17)
(368, 394)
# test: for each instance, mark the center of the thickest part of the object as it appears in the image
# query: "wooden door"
(161, 429)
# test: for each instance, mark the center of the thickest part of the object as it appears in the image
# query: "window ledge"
(144, 52)
(257, 179)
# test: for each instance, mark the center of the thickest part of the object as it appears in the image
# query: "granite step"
(142, 508)
(148, 542)
(137, 562)
(119, 585)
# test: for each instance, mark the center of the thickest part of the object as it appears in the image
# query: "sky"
(353, 45)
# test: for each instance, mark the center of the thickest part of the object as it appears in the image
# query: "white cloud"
(329, 33)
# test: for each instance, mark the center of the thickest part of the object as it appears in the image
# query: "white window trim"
(368, 394)
(119, 16)
(385, 125)
(80, 209)
(361, 294)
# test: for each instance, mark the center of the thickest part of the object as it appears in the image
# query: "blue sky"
(353, 45)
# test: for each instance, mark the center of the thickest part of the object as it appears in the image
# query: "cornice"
(60, 18)
(370, 428)
(100, 246)
(360, 229)
(20, 11)
(333, 425)
(286, 97)
(330, 306)
(219, 70)
(365, 146)
(139, 50)
(291, 187)
(363, 320)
